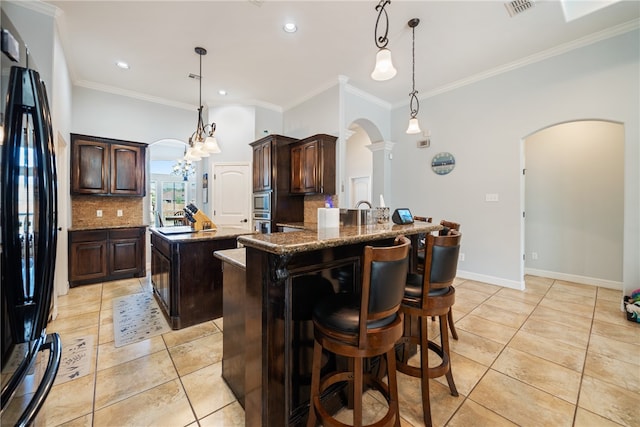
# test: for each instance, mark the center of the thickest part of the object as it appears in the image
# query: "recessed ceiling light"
(290, 27)
(123, 65)
(222, 92)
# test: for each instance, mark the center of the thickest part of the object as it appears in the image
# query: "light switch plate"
(119, 213)
(491, 197)
(99, 213)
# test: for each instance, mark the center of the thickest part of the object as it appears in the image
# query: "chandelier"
(184, 168)
(202, 142)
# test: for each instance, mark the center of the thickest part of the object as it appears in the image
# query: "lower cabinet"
(106, 254)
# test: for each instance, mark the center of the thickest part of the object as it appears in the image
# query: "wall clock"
(443, 163)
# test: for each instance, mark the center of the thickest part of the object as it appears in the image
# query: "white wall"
(316, 115)
(483, 124)
(268, 122)
(574, 202)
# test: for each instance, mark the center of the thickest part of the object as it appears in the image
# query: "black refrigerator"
(28, 235)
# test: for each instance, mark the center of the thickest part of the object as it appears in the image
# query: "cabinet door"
(88, 260)
(126, 252)
(262, 167)
(161, 276)
(127, 170)
(90, 167)
(304, 168)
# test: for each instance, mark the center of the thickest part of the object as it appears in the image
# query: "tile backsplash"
(312, 203)
(84, 212)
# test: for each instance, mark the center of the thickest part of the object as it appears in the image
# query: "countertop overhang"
(219, 233)
(306, 240)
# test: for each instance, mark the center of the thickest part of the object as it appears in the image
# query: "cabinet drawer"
(161, 245)
(125, 233)
(88, 236)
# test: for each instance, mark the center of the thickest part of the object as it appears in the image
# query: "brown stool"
(430, 294)
(359, 327)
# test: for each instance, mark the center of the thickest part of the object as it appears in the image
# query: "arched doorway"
(366, 163)
(169, 190)
(574, 202)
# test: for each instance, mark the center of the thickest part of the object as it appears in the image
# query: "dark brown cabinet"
(103, 166)
(106, 254)
(262, 166)
(271, 164)
(313, 165)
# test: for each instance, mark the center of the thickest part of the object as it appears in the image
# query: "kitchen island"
(187, 280)
(286, 273)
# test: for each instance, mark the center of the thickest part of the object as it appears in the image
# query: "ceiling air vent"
(516, 7)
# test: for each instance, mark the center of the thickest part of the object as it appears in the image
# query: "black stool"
(359, 327)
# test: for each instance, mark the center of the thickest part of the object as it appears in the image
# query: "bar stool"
(426, 295)
(362, 326)
(448, 225)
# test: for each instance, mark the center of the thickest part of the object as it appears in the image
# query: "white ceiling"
(251, 57)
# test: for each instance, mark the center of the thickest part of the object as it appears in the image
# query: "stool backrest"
(384, 274)
(440, 261)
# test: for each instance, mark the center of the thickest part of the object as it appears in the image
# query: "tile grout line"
(489, 368)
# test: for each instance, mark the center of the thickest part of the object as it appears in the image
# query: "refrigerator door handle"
(54, 345)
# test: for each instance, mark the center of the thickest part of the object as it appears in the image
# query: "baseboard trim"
(592, 281)
(492, 280)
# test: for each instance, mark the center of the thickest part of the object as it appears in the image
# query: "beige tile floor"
(556, 354)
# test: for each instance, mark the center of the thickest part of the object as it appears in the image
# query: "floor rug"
(75, 361)
(136, 318)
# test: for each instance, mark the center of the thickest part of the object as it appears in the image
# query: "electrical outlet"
(461, 257)
(534, 255)
(119, 213)
(99, 213)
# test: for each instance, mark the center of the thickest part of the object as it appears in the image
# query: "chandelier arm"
(382, 41)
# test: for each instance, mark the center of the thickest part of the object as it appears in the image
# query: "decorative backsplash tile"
(312, 203)
(84, 208)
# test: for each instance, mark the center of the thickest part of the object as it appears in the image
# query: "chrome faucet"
(363, 202)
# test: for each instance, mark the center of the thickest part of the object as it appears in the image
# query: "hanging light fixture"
(202, 142)
(183, 167)
(414, 104)
(384, 69)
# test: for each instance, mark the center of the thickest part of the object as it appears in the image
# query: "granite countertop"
(309, 240)
(113, 227)
(237, 257)
(194, 236)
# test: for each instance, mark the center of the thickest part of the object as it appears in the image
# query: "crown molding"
(133, 94)
(367, 96)
(37, 6)
(532, 59)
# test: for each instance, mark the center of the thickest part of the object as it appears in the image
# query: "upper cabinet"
(313, 165)
(103, 166)
(262, 165)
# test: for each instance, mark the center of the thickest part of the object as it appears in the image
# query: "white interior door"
(360, 189)
(232, 195)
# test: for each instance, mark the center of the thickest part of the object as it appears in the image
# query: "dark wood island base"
(286, 273)
(186, 278)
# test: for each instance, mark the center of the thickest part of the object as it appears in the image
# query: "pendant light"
(202, 142)
(414, 104)
(384, 69)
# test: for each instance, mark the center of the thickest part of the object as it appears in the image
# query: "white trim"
(381, 145)
(133, 94)
(549, 53)
(313, 94)
(603, 283)
(492, 280)
(39, 7)
(367, 96)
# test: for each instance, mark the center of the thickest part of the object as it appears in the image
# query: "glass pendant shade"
(211, 145)
(384, 69)
(190, 155)
(414, 126)
(198, 150)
